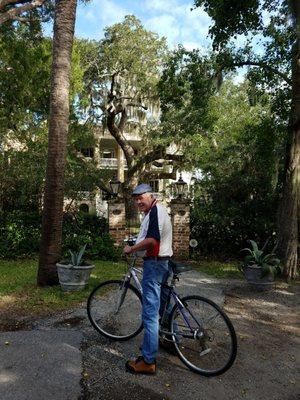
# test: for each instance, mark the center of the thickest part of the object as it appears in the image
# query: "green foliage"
(185, 87)
(22, 171)
(239, 157)
(31, 18)
(269, 264)
(222, 224)
(267, 34)
(87, 228)
(25, 69)
(77, 256)
(122, 71)
(24, 81)
(20, 235)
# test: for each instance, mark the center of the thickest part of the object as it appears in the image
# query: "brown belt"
(164, 258)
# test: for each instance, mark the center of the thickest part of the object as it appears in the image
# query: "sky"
(170, 18)
(176, 20)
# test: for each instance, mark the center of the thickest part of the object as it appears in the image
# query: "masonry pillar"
(116, 220)
(180, 216)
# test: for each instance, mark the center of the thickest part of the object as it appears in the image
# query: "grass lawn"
(19, 292)
(20, 295)
(218, 269)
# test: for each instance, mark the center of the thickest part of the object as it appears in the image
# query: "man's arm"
(145, 244)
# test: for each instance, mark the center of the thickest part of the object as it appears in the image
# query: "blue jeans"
(155, 274)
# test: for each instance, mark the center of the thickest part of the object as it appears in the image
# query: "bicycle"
(203, 335)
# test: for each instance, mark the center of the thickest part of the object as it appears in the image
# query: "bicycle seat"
(178, 268)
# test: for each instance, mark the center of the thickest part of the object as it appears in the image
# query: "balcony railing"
(128, 135)
(109, 162)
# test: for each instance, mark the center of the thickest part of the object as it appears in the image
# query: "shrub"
(222, 226)
(20, 235)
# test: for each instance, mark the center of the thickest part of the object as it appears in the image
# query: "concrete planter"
(253, 275)
(73, 277)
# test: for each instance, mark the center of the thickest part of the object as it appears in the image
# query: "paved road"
(40, 365)
(63, 358)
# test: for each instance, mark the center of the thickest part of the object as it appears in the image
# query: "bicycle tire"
(102, 305)
(201, 358)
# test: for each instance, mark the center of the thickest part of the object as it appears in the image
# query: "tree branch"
(157, 153)
(117, 134)
(4, 3)
(103, 187)
(123, 120)
(16, 11)
(261, 64)
(137, 105)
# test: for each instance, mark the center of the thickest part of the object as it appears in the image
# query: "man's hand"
(127, 250)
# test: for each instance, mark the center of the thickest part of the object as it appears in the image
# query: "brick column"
(116, 220)
(180, 216)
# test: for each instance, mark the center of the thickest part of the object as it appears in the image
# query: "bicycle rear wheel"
(114, 309)
(203, 336)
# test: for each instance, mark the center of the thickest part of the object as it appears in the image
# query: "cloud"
(164, 6)
(164, 25)
(178, 23)
(93, 17)
(170, 18)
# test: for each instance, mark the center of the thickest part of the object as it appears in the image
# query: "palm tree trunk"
(64, 22)
(289, 208)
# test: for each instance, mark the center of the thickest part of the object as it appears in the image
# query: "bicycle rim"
(210, 347)
(115, 310)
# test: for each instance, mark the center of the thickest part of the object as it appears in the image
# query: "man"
(154, 244)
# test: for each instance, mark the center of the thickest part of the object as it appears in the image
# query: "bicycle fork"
(122, 293)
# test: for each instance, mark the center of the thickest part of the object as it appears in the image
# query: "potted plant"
(259, 267)
(74, 274)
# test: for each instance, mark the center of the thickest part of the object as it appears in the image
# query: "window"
(110, 153)
(88, 152)
(155, 185)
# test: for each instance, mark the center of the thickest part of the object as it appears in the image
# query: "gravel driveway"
(266, 368)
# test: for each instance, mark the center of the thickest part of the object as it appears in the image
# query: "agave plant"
(268, 262)
(77, 256)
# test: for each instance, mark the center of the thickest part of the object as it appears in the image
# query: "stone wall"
(116, 220)
(180, 216)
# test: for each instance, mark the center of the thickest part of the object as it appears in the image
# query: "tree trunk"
(50, 250)
(131, 212)
(288, 214)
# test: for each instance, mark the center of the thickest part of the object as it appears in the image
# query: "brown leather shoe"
(139, 366)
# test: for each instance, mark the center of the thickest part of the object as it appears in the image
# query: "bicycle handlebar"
(130, 241)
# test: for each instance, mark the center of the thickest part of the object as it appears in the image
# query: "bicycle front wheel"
(203, 336)
(114, 309)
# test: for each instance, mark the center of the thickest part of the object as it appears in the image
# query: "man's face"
(143, 202)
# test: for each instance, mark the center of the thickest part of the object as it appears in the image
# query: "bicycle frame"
(133, 273)
(183, 310)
